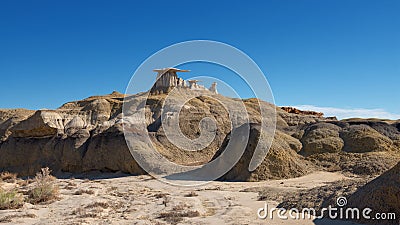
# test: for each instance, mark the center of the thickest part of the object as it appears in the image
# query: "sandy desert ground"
(116, 198)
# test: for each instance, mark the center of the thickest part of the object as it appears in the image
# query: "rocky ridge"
(88, 135)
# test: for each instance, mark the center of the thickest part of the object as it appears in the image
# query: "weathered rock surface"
(321, 138)
(301, 112)
(382, 195)
(282, 160)
(87, 135)
(363, 138)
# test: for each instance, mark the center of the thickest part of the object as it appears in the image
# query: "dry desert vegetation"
(116, 198)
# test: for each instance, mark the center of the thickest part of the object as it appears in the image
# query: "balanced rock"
(363, 138)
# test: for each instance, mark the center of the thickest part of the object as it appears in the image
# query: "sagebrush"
(44, 188)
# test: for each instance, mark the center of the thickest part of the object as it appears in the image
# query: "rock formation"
(213, 88)
(87, 135)
(382, 195)
(168, 79)
(301, 112)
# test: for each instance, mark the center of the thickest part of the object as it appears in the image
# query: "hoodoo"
(167, 79)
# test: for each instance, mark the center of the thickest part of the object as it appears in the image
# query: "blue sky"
(340, 54)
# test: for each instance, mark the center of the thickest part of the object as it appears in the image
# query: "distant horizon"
(338, 57)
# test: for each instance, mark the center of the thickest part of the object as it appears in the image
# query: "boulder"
(321, 138)
(11, 117)
(281, 161)
(381, 195)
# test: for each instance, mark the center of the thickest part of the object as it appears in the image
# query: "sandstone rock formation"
(321, 138)
(87, 135)
(362, 138)
(282, 160)
(382, 195)
(301, 112)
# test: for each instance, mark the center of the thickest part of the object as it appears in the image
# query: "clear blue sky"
(326, 53)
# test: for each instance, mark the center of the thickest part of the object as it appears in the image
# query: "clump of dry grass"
(8, 219)
(24, 183)
(10, 199)
(103, 205)
(181, 206)
(83, 213)
(84, 191)
(160, 195)
(191, 194)
(70, 185)
(91, 211)
(44, 188)
(8, 177)
(166, 200)
(176, 217)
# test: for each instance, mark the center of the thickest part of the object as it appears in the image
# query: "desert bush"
(8, 177)
(10, 199)
(176, 217)
(82, 191)
(83, 213)
(9, 218)
(160, 195)
(44, 189)
(181, 206)
(103, 205)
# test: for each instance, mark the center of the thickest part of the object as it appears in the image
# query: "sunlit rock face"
(88, 135)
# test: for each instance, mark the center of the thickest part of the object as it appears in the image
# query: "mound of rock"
(87, 135)
(282, 160)
(364, 164)
(363, 138)
(321, 138)
(382, 195)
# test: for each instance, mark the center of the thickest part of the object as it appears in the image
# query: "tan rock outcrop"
(321, 138)
(87, 135)
(363, 138)
(382, 195)
(282, 160)
(301, 112)
(43, 123)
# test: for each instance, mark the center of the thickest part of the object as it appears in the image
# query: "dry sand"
(121, 199)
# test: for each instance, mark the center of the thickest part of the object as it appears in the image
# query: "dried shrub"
(166, 200)
(84, 191)
(176, 217)
(83, 213)
(44, 188)
(181, 206)
(70, 185)
(10, 199)
(103, 205)
(8, 177)
(8, 219)
(191, 194)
